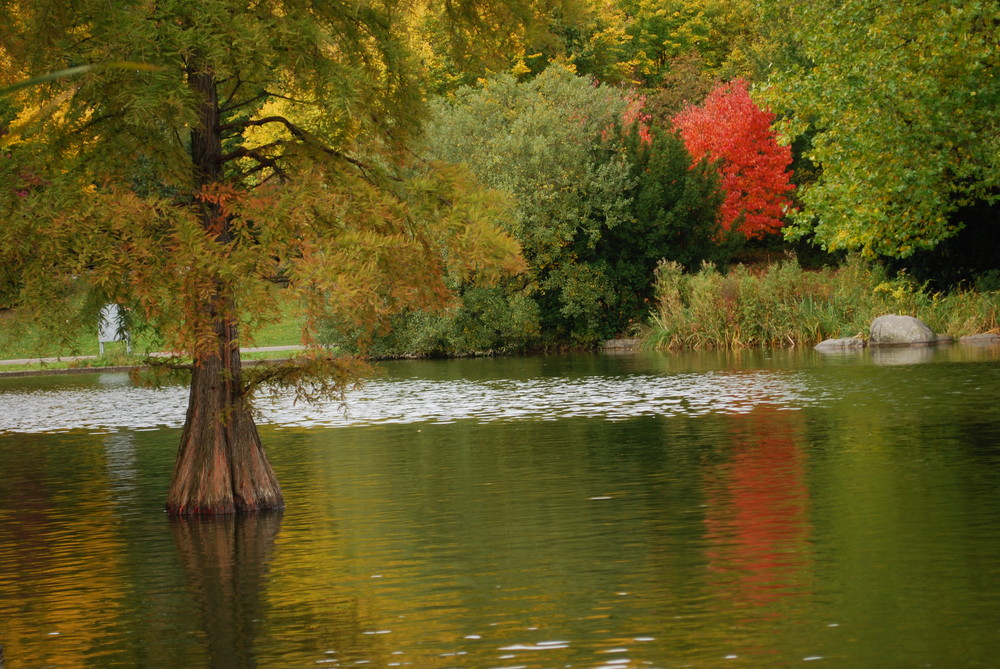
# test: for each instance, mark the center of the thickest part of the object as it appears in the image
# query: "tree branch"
(224, 106)
(169, 363)
(263, 161)
(225, 109)
(255, 153)
(287, 97)
(267, 120)
(101, 119)
(300, 135)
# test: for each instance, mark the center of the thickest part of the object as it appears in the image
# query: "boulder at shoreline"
(983, 338)
(847, 343)
(895, 330)
(887, 331)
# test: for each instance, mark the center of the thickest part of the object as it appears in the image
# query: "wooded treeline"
(882, 116)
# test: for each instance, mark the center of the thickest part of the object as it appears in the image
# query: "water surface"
(646, 510)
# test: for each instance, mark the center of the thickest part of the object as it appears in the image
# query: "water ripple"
(112, 402)
(611, 398)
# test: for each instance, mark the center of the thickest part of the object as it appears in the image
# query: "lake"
(752, 509)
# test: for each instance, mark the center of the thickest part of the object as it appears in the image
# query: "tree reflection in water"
(758, 527)
(226, 561)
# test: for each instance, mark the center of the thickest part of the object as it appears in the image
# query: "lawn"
(29, 342)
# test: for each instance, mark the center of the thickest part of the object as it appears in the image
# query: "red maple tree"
(729, 128)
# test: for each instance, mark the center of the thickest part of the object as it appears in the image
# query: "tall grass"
(784, 305)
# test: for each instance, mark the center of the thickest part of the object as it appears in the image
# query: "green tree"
(674, 208)
(262, 144)
(447, 37)
(645, 43)
(597, 46)
(600, 198)
(661, 31)
(542, 141)
(900, 101)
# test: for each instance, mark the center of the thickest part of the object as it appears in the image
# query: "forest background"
(864, 158)
(840, 156)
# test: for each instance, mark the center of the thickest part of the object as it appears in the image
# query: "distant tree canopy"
(596, 206)
(889, 109)
(541, 141)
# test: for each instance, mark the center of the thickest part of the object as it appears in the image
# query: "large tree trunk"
(221, 466)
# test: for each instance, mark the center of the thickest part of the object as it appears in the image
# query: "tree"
(601, 196)
(675, 217)
(686, 83)
(660, 31)
(542, 141)
(729, 128)
(634, 42)
(900, 101)
(533, 35)
(150, 186)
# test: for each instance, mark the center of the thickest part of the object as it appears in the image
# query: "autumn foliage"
(729, 128)
(635, 114)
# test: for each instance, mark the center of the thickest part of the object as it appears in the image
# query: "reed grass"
(784, 305)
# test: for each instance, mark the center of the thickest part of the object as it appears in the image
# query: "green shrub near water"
(785, 305)
(596, 204)
(488, 319)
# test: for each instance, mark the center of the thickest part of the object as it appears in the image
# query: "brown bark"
(221, 467)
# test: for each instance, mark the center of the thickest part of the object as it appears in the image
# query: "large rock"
(895, 330)
(845, 344)
(629, 344)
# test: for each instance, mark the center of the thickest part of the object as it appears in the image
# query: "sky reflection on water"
(114, 403)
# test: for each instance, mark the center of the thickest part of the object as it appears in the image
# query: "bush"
(597, 206)
(487, 320)
(674, 216)
(543, 142)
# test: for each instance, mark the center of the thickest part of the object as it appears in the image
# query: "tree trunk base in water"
(221, 466)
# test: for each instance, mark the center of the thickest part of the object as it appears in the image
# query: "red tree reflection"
(757, 521)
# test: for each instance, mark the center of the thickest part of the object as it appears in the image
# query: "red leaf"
(729, 128)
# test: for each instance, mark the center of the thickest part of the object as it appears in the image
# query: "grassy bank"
(784, 305)
(27, 341)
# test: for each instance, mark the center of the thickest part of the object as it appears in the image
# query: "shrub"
(487, 320)
(674, 211)
(543, 142)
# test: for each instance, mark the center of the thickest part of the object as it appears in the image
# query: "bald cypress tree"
(183, 158)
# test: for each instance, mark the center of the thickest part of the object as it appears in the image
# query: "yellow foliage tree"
(209, 150)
